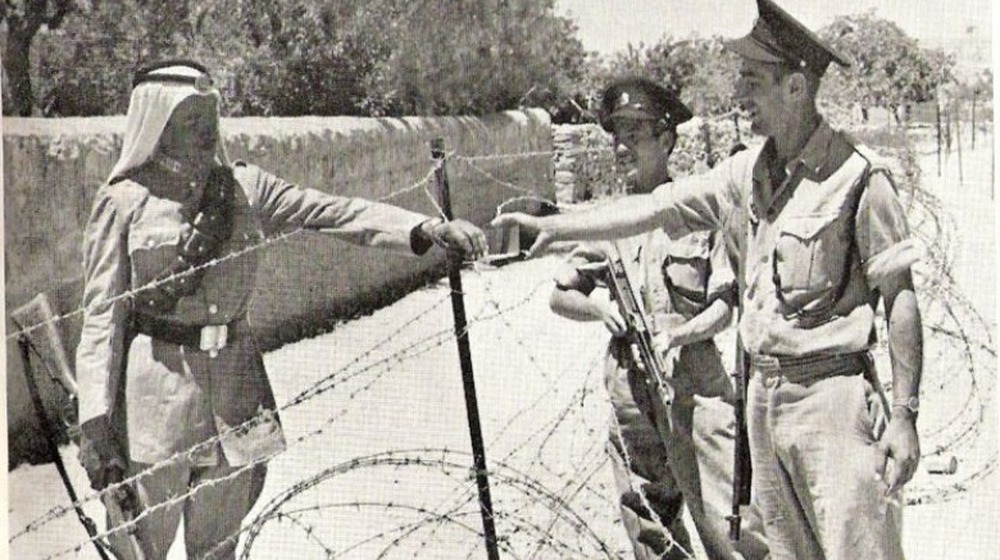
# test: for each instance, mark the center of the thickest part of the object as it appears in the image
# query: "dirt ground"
(378, 462)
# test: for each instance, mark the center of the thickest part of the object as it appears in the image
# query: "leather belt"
(804, 369)
(205, 337)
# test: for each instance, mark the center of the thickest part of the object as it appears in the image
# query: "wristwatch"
(912, 404)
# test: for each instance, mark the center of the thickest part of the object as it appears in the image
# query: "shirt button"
(765, 259)
(213, 309)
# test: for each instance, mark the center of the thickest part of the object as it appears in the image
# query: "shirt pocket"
(152, 248)
(809, 258)
(686, 269)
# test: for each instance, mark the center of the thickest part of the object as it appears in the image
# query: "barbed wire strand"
(943, 295)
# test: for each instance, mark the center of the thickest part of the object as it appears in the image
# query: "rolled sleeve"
(882, 233)
(101, 353)
(285, 207)
(722, 280)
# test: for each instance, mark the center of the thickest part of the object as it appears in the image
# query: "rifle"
(639, 333)
(39, 335)
(742, 470)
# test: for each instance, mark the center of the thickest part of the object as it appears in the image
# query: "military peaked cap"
(777, 37)
(641, 98)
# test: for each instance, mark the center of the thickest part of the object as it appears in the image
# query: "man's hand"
(612, 318)
(100, 455)
(530, 225)
(457, 235)
(901, 444)
(667, 325)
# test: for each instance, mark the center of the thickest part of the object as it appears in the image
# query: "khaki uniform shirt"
(683, 276)
(834, 222)
(173, 397)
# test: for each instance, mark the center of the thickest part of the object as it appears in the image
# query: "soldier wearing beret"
(167, 358)
(689, 289)
(823, 239)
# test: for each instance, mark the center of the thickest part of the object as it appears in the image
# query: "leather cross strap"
(200, 244)
(823, 312)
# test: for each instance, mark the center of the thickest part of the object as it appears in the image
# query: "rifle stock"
(37, 322)
(39, 335)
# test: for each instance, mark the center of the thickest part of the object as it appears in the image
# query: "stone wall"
(587, 168)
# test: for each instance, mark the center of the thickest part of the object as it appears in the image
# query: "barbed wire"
(532, 154)
(422, 345)
(323, 385)
(958, 328)
(267, 241)
(60, 511)
(937, 286)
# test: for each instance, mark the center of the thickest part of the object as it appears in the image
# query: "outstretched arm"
(703, 202)
(283, 206)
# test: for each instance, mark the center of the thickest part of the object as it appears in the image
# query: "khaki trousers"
(700, 442)
(814, 464)
(639, 463)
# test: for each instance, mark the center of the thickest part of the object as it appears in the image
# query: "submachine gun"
(639, 332)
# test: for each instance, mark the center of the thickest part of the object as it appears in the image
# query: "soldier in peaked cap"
(689, 290)
(172, 387)
(822, 238)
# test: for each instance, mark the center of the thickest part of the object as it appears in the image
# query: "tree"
(298, 57)
(888, 68)
(23, 21)
(474, 57)
(702, 70)
(305, 57)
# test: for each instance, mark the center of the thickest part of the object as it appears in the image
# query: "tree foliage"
(888, 67)
(298, 57)
(475, 57)
(700, 69)
(22, 21)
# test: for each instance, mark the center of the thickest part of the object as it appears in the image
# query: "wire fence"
(547, 455)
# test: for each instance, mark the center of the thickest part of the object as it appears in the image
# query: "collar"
(816, 153)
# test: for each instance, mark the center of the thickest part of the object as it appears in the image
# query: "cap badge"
(203, 83)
